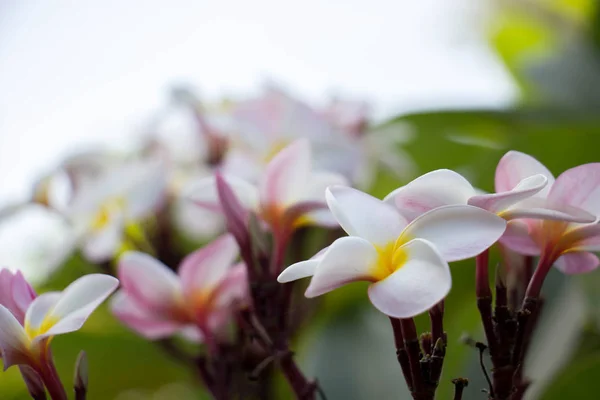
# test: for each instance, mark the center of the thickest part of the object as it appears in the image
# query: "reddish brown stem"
(401, 353)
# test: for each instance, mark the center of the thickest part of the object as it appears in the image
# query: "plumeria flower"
(288, 195)
(568, 245)
(197, 301)
(267, 124)
(27, 342)
(407, 263)
(520, 199)
(101, 211)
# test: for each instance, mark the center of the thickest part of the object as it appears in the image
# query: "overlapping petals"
(16, 294)
(407, 262)
(197, 301)
(566, 242)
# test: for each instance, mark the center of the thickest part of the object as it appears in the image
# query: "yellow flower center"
(106, 211)
(391, 258)
(48, 322)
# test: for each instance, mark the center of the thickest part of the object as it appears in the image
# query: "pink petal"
(500, 202)
(360, 214)
(517, 237)
(578, 187)
(516, 166)
(420, 283)
(432, 190)
(140, 319)
(578, 262)
(286, 176)
(236, 216)
(207, 267)
(234, 288)
(22, 292)
(348, 259)
(457, 232)
(204, 192)
(15, 293)
(14, 342)
(149, 282)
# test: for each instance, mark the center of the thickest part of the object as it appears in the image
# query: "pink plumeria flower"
(288, 195)
(16, 294)
(407, 263)
(124, 195)
(566, 244)
(520, 199)
(48, 315)
(196, 302)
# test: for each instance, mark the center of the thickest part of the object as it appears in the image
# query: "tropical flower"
(290, 193)
(407, 263)
(26, 341)
(101, 211)
(196, 302)
(568, 245)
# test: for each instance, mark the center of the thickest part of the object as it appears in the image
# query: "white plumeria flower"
(101, 211)
(407, 263)
(289, 194)
(48, 315)
(523, 199)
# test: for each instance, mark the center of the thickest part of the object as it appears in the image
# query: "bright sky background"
(77, 72)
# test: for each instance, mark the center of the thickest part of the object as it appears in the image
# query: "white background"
(77, 72)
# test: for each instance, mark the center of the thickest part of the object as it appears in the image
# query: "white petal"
(203, 192)
(77, 302)
(348, 259)
(13, 340)
(150, 282)
(38, 311)
(538, 208)
(416, 286)
(302, 269)
(515, 166)
(499, 202)
(146, 184)
(432, 190)
(360, 214)
(100, 246)
(319, 181)
(458, 232)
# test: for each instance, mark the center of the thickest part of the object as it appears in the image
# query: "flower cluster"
(260, 176)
